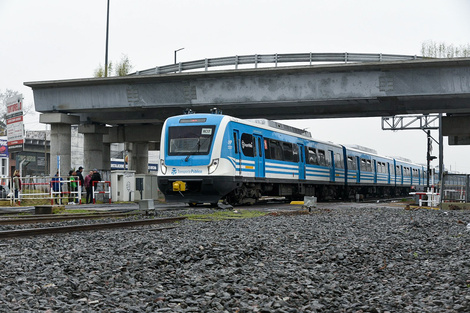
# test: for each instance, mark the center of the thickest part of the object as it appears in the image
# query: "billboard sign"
(3, 148)
(15, 122)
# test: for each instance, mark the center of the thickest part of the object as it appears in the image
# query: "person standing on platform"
(89, 195)
(57, 188)
(72, 187)
(95, 179)
(16, 183)
(81, 180)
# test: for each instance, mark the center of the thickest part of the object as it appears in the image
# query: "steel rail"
(45, 219)
(67, 229)
(275, 59)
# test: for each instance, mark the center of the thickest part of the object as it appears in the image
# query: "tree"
(123, 68)
(431, 49)
(99, 72)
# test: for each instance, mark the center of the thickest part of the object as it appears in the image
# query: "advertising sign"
(3, 148)
(15, 122)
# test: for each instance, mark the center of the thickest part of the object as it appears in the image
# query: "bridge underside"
(320, 91)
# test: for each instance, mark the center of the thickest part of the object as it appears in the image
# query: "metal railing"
(275, 59)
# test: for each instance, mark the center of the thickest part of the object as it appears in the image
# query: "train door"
(331, 164)
(301, 161)
(358, 166)
(375, 171)
(259, 155)
(237, 152)
(388, 173)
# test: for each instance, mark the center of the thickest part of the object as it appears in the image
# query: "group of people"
(75, 179)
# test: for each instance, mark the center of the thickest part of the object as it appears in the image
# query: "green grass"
(225, 215)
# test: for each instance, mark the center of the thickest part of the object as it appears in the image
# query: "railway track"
(47, 218)
(74, 228)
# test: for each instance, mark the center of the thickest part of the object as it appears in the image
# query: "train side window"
(235, 142)
(366, 165)
(338, 161)
(295, 152)
(312, 156)
(275, 151)
(247, 144)
(397, 170)
(351, 164)
(322, 158)
(266, 149)
(287, 151)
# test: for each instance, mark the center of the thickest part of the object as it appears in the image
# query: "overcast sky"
(65, 39)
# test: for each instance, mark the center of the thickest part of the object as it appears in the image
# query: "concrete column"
(60, 147)
(93, 147)
(60, 140)
(138, 156)
(106, 156)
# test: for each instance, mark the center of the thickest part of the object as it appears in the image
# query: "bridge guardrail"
(275, 59)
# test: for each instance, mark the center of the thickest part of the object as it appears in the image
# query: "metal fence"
(275, 59)
(454, 188)
(58, 190)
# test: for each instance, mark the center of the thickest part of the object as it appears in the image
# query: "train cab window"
(190, 140)
(352, 165)
(247, 144)
(339, 160)
(312, 156)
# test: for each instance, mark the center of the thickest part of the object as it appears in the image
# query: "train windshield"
(190, 140)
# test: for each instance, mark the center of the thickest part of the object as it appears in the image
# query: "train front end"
(191, 169)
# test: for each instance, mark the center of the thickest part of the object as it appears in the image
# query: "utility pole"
(106, 52)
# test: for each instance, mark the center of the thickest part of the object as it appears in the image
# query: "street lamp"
(177, 51)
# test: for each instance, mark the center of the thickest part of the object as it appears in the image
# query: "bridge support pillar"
(60, 140)
(138, 156)
(93, 147)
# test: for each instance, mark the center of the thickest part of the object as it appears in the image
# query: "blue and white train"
(208, 157)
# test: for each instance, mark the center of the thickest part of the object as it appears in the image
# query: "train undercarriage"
(251, 193)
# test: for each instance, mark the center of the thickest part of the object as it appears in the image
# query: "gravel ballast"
(332, 260)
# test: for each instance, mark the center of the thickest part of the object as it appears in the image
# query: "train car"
(209, 157)
(368, 173)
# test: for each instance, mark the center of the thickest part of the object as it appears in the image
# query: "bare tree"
(433, 49)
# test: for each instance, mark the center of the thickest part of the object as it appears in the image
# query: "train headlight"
(163, 166)
(213, 166)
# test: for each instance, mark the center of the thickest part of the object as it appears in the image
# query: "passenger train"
(205, 158)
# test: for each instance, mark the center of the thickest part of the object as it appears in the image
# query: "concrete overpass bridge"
(132, 108)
